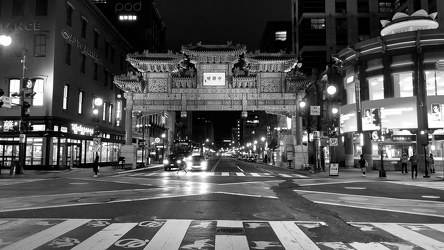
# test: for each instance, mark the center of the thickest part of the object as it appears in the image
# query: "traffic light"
(28, 83)
(1, 97)
(26, 107)
(424, 138)
(302, 108)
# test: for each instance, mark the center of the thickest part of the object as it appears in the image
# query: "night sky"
(216, 22)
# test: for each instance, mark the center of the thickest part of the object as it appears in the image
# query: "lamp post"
(263, 148)
(331, 90)
(163, 146)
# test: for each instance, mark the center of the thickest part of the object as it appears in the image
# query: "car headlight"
(203, 164)
(189, 164)
(179, 161)
(165, 161)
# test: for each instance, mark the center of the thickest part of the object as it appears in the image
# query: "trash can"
(121, 161)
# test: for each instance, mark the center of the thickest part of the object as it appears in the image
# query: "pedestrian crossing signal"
(26, 107)
(1, 96)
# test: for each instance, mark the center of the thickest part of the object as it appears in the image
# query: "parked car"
(196, 162)
(173, 161)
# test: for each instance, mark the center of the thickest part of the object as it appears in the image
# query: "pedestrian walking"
(432, 164)
(414, 160)
(404, 160)
(363, 164)
(96, 165)
(182, 166)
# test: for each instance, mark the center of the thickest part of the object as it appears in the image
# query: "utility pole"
(24, 110)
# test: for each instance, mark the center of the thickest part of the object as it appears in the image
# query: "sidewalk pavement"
(72, 173)
(344, 173)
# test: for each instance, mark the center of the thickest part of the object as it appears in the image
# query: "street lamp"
(163, 146)
(263, 148)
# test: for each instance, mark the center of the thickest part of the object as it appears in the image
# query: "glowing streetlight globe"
(98, 101)
(331, 90)
(334, 110)
(302, 104)
(5, 40)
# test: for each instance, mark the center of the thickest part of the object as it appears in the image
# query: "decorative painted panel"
(157, 85)
(270, 85)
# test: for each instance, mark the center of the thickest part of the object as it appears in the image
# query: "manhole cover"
(230, 230)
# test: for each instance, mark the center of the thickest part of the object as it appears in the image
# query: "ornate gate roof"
(213, 77)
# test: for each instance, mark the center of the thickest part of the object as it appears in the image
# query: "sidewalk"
(356, 174)
(71, 173)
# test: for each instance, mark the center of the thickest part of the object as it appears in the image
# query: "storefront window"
(403, 84)
(376, 88)
(89, 152)
(351, 92)
(435, 82)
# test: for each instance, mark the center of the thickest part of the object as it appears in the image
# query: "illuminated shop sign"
(85, 50)
(29, 26)
(347, 118)
(214, 79)
(79, 129)
(391, 113)
(401, 138)
(435, 112)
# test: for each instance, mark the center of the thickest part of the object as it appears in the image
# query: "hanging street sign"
(333, 141)
(315, 110)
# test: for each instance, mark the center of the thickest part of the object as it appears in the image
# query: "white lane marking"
(240, 174)
(372, 202)
(169, 236)
(231, 242)
(410, 236)
(229, 223)
(430, 197)
(255, 174)
(215, 165)
(240, 169)
(248, 195)
(301, 176)
(368, 246)
(325, 183)
(285, 175)
(291, 236)
(46, 235)
(106, 237)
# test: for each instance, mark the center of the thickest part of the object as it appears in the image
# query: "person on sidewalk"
(363, 164)
(432, 164)
(414, 160)
(404, 160)
(96, 165)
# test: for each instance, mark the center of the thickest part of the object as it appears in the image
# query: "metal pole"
(22, 147)
(143, 138)
(381, 171)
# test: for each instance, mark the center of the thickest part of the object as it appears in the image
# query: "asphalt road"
(328, 211)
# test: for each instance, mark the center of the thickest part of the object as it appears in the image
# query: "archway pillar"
(129, 151)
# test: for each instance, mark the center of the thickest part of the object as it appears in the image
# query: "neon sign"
(79, 129)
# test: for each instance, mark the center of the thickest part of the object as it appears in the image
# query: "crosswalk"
(203, 234)
(223, 174)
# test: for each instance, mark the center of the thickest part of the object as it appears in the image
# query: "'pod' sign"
(128, 6)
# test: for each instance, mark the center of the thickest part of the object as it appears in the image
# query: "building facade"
(138, 21)
(394, 85)
(276, 37)
(70, 52)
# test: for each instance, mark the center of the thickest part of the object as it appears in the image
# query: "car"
(196, 162)
(173, 161)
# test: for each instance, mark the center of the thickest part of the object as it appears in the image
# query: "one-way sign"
(6, 101)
